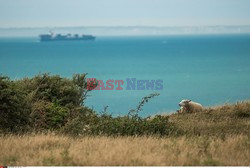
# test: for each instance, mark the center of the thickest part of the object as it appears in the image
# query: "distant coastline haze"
(162, 13)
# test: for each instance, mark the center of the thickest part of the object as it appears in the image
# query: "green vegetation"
(51, 103)
(45, 116)
(14, 107)
(41, 103)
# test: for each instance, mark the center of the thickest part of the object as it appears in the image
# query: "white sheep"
(188, 106)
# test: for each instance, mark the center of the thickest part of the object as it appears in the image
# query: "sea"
(209, 69)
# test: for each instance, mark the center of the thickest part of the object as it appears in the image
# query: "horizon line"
(120, 26)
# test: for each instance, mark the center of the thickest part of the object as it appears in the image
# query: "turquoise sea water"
(209, 69)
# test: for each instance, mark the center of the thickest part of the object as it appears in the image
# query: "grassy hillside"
(225, 120)
(43, 121)
(216, 136)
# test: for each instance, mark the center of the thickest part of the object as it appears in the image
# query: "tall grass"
(225, 120)
(216, 136)
(48, 150)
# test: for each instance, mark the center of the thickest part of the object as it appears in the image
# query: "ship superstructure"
(68, 37)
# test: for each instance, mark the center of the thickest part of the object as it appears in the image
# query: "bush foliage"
(14, 107)
(52, 103)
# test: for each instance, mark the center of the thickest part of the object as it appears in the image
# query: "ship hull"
(45, 38)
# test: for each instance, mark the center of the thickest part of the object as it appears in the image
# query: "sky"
(57, 13)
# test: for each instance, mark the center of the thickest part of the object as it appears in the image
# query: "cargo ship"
(68, 37)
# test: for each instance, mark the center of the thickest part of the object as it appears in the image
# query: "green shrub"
(56, 116)
(107, 125)
(46, 115)
(38, 115)
(47, 102)
(79, 122)
(62, 91)
(42, 102)
(14, 107)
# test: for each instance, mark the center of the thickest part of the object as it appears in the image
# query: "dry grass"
(216, 136)
(229, 119)
(36, 150)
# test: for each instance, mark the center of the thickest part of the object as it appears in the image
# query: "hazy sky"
(36, 13)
